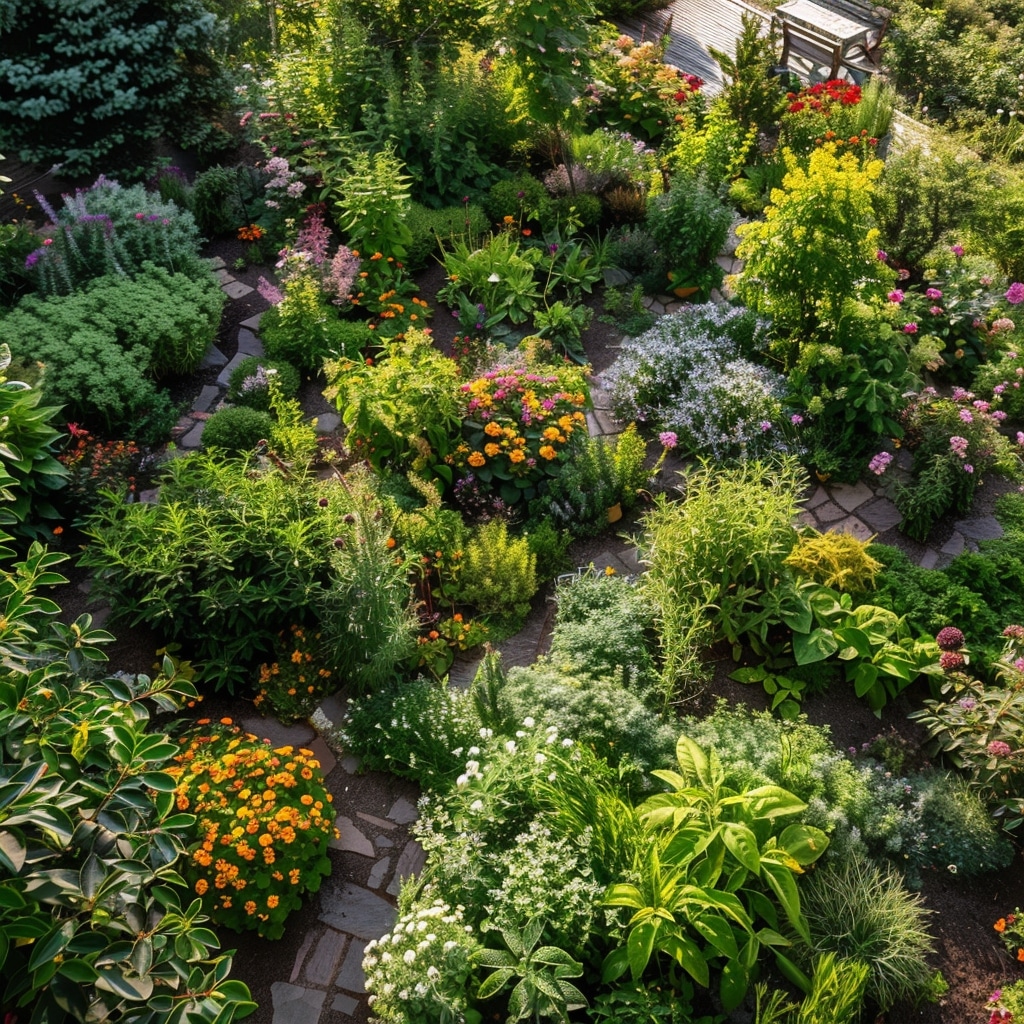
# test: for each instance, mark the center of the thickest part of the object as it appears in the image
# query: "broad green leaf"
(817, 645)
(640, 946)
(44, 950)
(804, 843)
(864, 677)
(495, 982)
(742, 844)
(783, 884)
(119, 984)
(686, 953)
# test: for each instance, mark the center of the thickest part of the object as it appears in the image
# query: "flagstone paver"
(854, 527)
(351, 977)
(851, 496)
(410, 862)
(235, 289)
(981, 528)
(880, 514)
(294, 1004)
(351, 908)
(350, 838)
(323, 964)
(378, 873)
(248, 343)
(403, 812)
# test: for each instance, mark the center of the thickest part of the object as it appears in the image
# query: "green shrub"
(103, 345)
(605, 629)
(431, 228)
(499, 572)
(225, 557)
(412, 728)
(16, 242)
(861, 912)
(54, 764)
(117, 78)
(237, 429)
(215, 201)
(596, 711)
(304, 329)
(248, 382)
(522, 198)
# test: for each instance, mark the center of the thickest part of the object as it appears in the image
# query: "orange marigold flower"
(250, 907)
(1000, 925)
(265, 840)
(1020, 955)
(492, 429)
(547, 452)
(516, 455)
(305, 799)
(476, 459)
(391, 542)
(201, 886)
(272, 901)
(491, 449)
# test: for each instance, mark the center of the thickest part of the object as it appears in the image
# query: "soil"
(968, 954)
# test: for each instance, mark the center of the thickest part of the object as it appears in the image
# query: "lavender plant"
(688, 374)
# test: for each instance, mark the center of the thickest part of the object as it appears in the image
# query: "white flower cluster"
(418, 972)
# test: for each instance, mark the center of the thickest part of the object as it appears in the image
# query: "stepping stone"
(206, 398)
(819, 497)
(351, 764)
(830, 512)
(373, 820)
(593, 427)
(806, 518)
(378, 873)
(216, 263)
(852, 496)
(345, 1005)
(929, 559)
(334, 709)
(854, 527)
(353, 909)
(213, 359)
(194, 438)
(628, 558)
(327, 422)
(981, 528)
(880, 514)
(301, 955)
(253, 323)
(100, 615)
(223, 276)
(323, 754)
(463, 671)
(150, 496)
(324, 961)
(351, 839)
(249, 343)
(235, 289)
(351, 976)
(225, 375)
(410, 862)
(281, 735)
(954, 546)
(403, 812)
(383, 842)
(606, 560)
(294, 1004)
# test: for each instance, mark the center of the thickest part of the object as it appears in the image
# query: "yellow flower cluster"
(263, 819)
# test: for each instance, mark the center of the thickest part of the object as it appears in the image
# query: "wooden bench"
(839, 33)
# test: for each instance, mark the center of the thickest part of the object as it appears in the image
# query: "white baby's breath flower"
(528, 722)
(510, 746)
(409, 956)
(476, 806)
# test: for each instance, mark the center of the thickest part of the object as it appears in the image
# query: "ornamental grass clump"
(264, 821)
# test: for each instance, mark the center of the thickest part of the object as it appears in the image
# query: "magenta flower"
(957, 250)
(997, 748)
(950, 661)
(896, 295)
(668, 439)
(910, 328)
(1015, 293)
(933, 293)
(880, 463)
(881, 255)
(966, 416)
(968, 468)
(949, 638)
(959, 445)
(796, 419)
(936, 311)
(765, 426)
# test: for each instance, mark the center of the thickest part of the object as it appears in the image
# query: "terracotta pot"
(615, 513)
(685, 293)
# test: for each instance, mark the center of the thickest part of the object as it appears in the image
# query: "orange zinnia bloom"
(1000, 925)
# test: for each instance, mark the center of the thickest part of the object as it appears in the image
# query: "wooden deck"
(696, 25)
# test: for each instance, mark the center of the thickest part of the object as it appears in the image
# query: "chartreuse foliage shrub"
(816, 247)
(96, 922)
(402, 412)
(104, 346)
(264, 820)
(91, 85)
(237, 429)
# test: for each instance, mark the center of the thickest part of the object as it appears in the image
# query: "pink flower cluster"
(880, 463)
